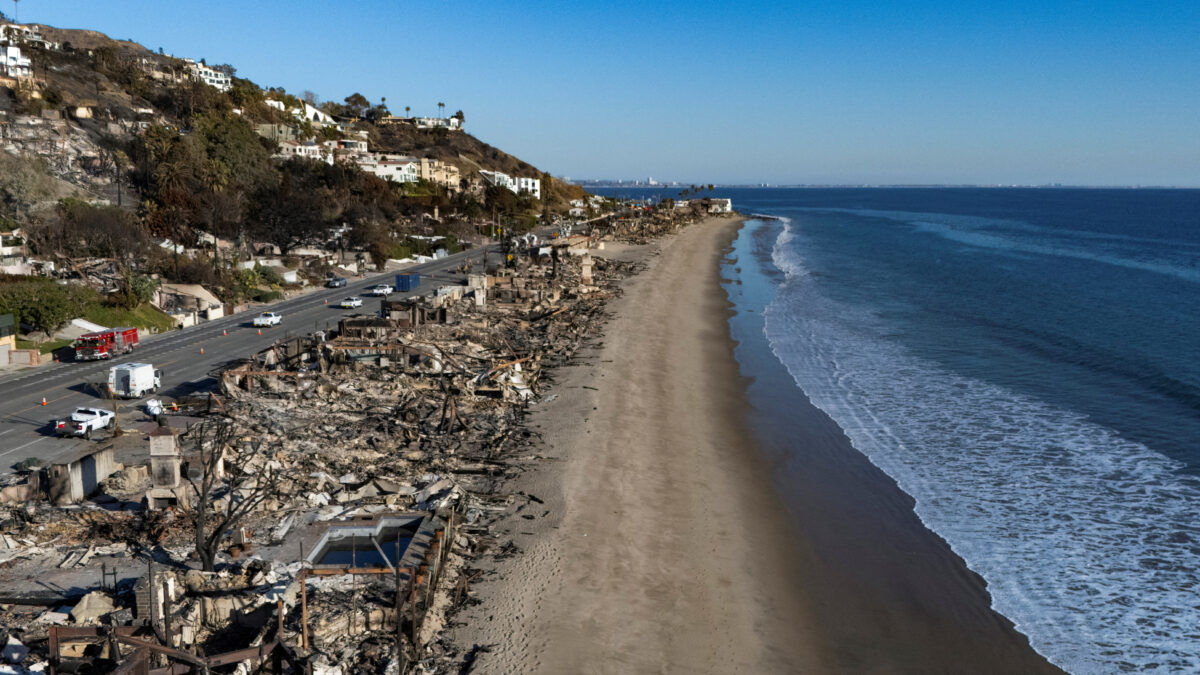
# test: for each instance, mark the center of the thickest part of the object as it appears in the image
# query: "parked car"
(382, 290)
(268, 319)
(84, 421)
(335, 282)
(351, 302)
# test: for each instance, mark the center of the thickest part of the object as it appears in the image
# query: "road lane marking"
(48, 402)
(19, 447)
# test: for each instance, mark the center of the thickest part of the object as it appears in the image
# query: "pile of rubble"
(641, 227)
(354, 473)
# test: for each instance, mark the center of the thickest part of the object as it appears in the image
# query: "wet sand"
(663, 545)
(892, 596)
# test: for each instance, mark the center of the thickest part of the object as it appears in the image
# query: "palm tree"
(441, 108)
(408, 111)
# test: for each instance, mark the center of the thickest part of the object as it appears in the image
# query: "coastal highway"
(25, 424)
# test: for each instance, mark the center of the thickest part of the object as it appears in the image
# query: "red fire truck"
(105, 344)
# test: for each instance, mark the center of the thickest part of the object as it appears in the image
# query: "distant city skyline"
(821, 93)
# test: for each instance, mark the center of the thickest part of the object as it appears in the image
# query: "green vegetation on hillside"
(46, 306)
(177, 159)
(144, 317)
(43, 303)
(43, 347)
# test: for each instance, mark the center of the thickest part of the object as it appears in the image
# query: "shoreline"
(669, 527)
(657, 542)
(893, 595)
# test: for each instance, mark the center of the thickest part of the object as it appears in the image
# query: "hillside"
(110, 152)
(470, 155)
(95, 96)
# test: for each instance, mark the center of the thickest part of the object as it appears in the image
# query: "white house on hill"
(305, 112)
(515, 185)
(210, 76)
(307, 149)
(399, 170)
(12, 64)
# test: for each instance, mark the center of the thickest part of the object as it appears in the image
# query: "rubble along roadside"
(428, 419)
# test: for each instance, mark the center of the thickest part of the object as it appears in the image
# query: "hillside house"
(350, 151)
(399, 170)
(450, 123)
(208, 241)
(289, 275)
(188, 298)
(16, 34)
(438, 172)
(516, 185)
(720, 206)
(306, 149)
(159, 68)
(531, 185)
(13, 64)
(277, 132)
(219, 79)
(13, 253)
(305, 112)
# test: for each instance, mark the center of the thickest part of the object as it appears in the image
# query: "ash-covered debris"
(323, 509)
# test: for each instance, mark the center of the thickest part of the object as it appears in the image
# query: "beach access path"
(661, 546)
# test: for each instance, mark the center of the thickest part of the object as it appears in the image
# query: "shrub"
(29, 463)
(268, 275)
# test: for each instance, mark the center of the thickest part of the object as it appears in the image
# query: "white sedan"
(382, 290)
(351, 302)
(268, 319)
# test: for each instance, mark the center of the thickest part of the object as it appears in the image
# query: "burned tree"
(230, 479)
(104, 390)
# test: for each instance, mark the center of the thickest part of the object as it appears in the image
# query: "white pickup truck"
(380, 290)
(268, 319)
(84, 421)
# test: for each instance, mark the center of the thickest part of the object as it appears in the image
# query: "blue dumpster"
(407, 282)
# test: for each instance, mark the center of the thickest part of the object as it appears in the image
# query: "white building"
(305, 112)
(399, 170)
(451, 123)
(516, 185)
(15, 33)
(12, 64)
(720, 206)
(348, 145)
(306, 149)
(210, 76)
(315, 115)
(351, 151)
(498, 178)
(531, 185)
(13, 253)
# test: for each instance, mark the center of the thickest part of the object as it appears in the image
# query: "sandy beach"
(645, 562)
(658, 542)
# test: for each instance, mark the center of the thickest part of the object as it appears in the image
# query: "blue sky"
(1099, 93)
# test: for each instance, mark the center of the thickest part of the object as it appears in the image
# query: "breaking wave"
(1088, 541)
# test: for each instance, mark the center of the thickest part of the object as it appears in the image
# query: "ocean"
(1025, 364)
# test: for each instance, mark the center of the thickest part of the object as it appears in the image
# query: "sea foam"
(1088, 542)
